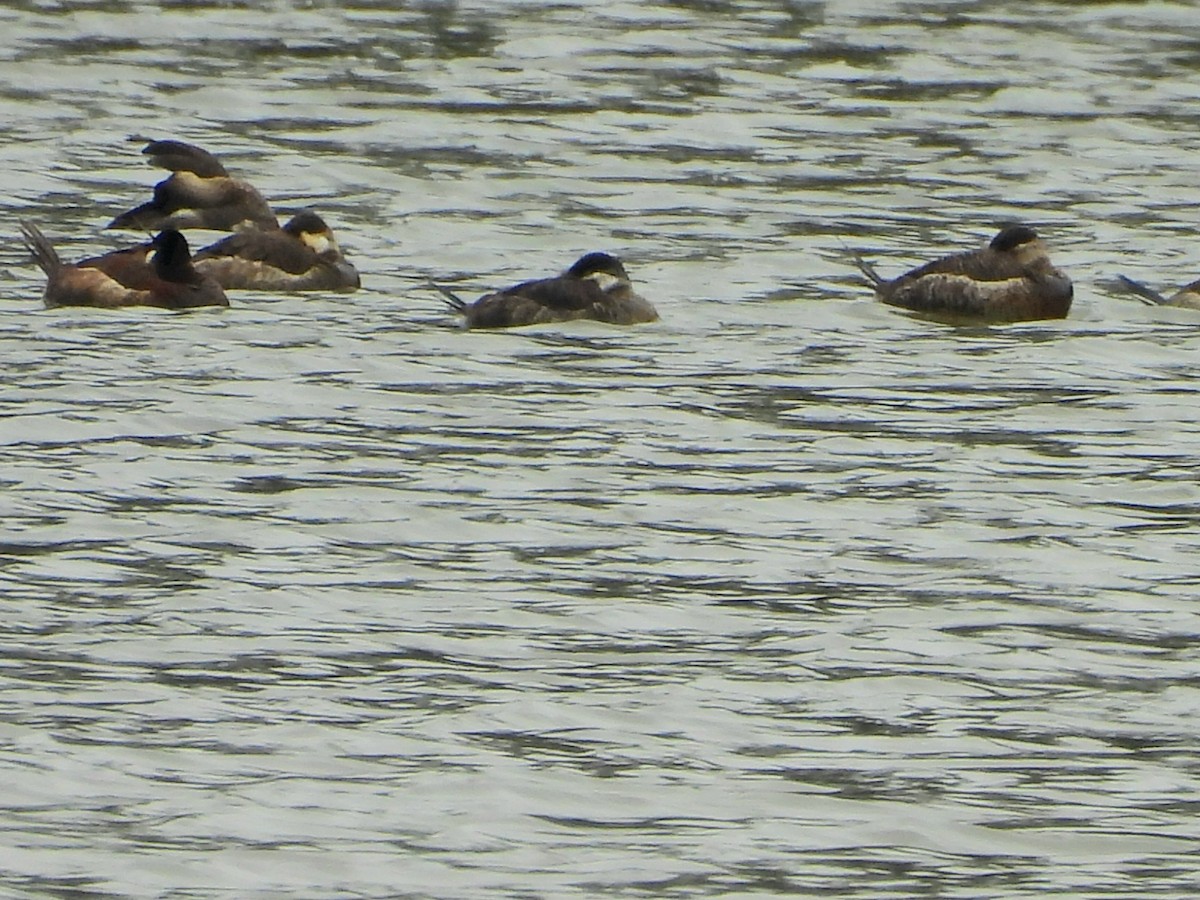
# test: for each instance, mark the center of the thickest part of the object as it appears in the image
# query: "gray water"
(789, 594)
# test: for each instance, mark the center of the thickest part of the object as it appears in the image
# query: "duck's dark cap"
(1013, 236)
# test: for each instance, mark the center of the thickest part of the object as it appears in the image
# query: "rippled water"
(789, 593)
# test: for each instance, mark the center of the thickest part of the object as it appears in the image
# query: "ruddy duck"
(1010, 280)
(168, 280)
(596, 287)
(198, 194)
(302, 256)
(1187, 297)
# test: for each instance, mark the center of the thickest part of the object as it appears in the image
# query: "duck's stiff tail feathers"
(868, 271)
(455, 302)
(40, 247)
(1146, 294)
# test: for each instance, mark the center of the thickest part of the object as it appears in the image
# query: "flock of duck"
(302, 255)
(1009, 280)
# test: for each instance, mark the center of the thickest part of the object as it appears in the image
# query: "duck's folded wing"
(562, 294)
(978, 265)
(280, 250)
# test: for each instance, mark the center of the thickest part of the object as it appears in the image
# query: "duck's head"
(603, 268)
(1012, 236)
(1021, 241)
(311, 230)
(172, 258)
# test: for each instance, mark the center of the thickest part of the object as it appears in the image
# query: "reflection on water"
(788, 593)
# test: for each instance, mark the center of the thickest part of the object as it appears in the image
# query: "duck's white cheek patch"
(319, 243)
(603, 280)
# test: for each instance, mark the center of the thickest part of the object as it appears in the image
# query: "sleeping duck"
(159, 273)
(1009, 280)
(303, 255)
(595, 287)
